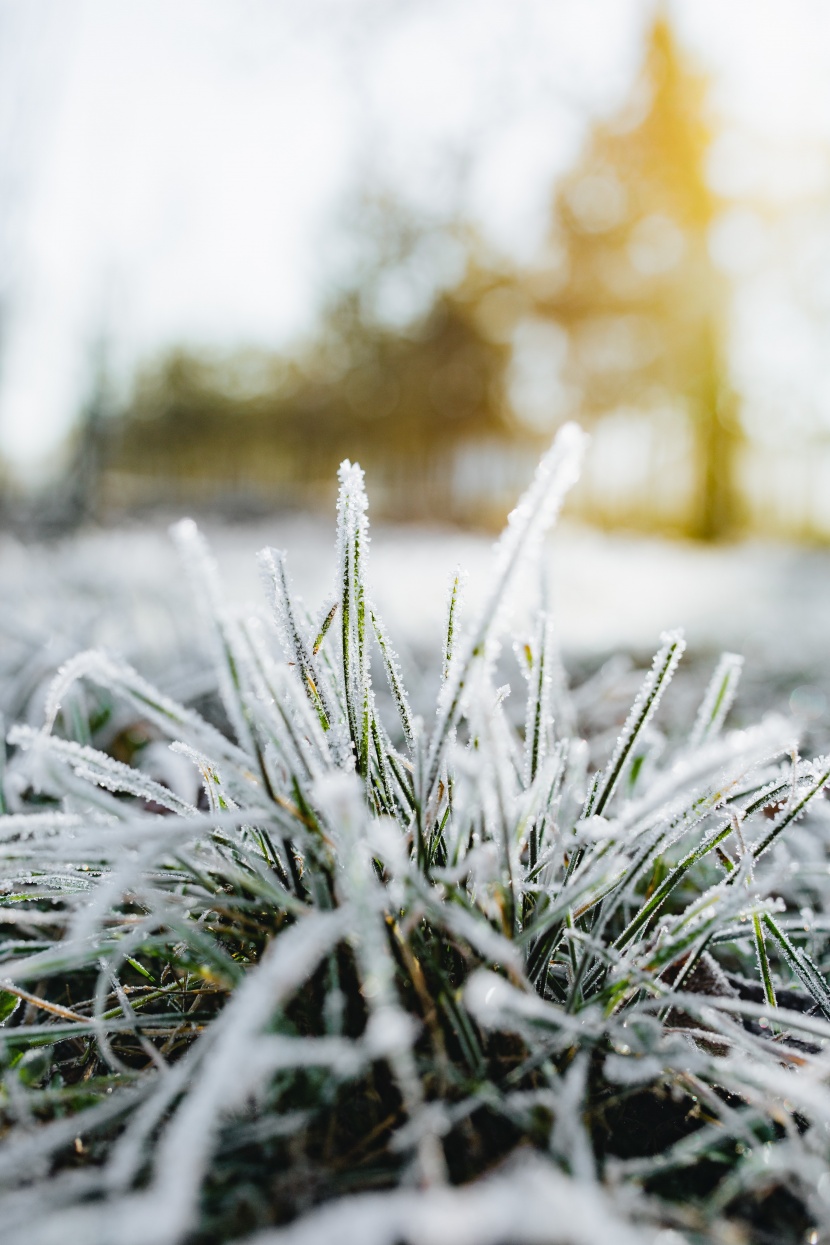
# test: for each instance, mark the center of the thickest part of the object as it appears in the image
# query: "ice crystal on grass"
(389, 980)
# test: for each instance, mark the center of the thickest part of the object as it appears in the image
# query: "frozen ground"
(123, 589)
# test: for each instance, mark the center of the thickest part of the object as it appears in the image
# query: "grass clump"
(388, 980)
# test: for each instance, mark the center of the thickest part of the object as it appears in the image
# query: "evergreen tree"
(643, 306)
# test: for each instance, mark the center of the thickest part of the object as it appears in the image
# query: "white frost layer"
(609, 591)
(531, 1203)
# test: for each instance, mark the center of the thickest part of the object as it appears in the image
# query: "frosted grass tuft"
(391, 983)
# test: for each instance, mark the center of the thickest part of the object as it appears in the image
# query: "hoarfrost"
(435, 929)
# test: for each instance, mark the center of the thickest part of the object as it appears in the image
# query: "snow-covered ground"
(124, 589)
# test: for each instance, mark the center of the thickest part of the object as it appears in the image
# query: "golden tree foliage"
(633, 284)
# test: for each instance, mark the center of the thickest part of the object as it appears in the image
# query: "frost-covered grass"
(329, 971)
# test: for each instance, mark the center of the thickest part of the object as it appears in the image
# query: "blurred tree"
(631, 281)
(413, 359)
(270, 428)
(399, 374)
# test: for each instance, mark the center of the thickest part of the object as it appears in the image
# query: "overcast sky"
(177, 170)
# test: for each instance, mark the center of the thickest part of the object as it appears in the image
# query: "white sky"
(178, 171)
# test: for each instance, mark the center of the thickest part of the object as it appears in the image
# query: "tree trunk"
(716, 438)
